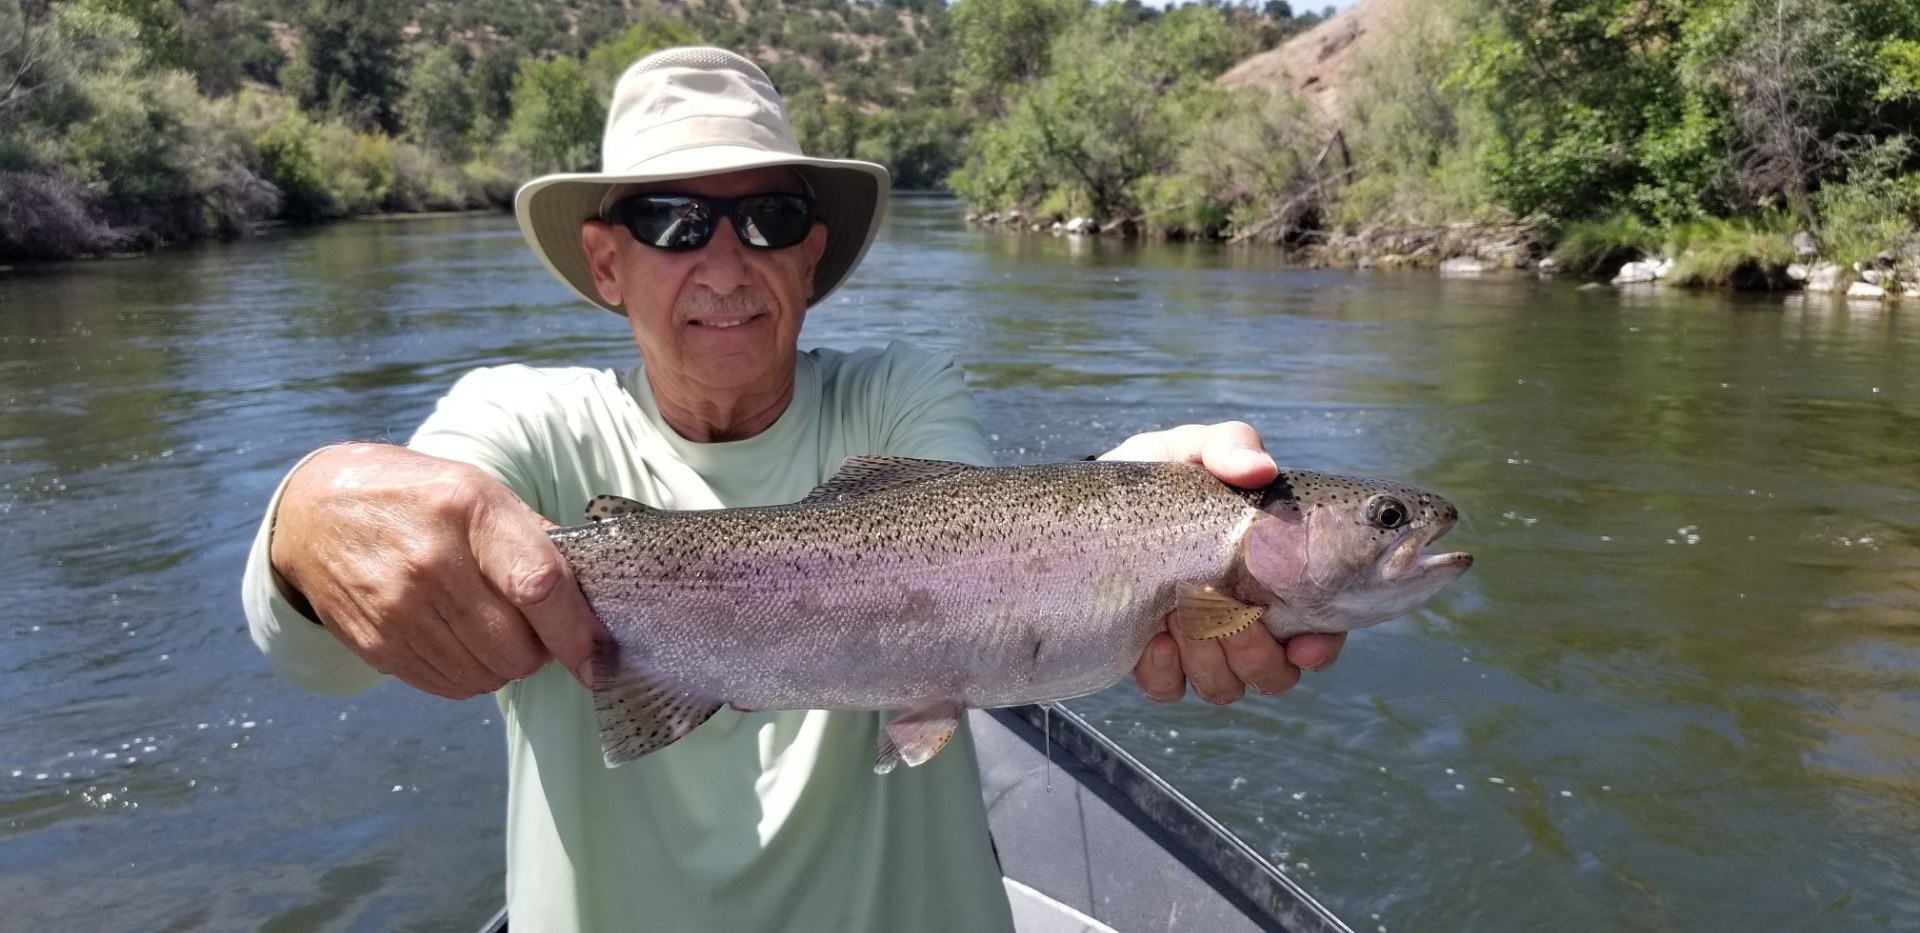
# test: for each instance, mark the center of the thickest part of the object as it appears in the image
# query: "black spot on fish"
(1277, 491)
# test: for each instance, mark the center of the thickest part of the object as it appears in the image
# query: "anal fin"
(917, 735)
(1203, 612)
(641, 714)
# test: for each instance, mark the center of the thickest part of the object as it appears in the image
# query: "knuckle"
(519, 668)
(533, 581)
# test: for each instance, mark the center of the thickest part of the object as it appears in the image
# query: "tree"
(557, 116)
(1004, 44)
(1108, 113)
(655, 31)
(348, 63)
(226, 43)
(439, 106)
(1591, 109)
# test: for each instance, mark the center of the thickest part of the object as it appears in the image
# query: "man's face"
(718, 319)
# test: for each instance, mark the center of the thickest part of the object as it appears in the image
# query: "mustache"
(705, 302)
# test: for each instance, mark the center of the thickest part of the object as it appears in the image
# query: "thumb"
(515, 553)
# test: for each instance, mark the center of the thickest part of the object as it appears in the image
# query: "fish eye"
(1387, 512)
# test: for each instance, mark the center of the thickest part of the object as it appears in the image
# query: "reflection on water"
(1679, 689)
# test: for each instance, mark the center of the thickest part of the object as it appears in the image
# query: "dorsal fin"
(864, 475)
(605, 507)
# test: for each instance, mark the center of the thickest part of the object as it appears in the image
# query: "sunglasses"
(681, 222)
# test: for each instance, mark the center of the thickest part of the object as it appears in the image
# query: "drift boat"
(1091, 841)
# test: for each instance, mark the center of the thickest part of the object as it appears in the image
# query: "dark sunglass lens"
(667, 222)
(774, 221)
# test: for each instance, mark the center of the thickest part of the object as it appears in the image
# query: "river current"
(1680, 689)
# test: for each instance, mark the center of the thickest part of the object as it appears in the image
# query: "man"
(713, 235)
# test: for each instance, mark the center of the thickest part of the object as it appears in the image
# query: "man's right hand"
(430, 570)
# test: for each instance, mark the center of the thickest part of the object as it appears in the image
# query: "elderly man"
(713, 235)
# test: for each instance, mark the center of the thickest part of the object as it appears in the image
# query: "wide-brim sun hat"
(687, 112)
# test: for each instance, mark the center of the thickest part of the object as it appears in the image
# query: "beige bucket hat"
(686, 112)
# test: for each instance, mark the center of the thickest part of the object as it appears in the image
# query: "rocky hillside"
(1315, 64)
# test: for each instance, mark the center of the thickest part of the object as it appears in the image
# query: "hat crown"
(688, 98)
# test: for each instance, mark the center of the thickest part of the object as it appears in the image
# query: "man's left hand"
(1221, 669)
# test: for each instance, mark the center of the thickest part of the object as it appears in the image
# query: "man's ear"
(816, 246)
(601, 242)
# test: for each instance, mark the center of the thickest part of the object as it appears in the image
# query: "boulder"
(1824, 277)
(1635, 272)
(1805, 245)
(1462, 266)
(1865, 290)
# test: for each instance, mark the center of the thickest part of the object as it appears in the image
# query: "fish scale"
(933, 587)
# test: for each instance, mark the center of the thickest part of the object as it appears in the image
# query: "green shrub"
(1744, 253)
(289, 157)
(1594, 247)
(1874, 210)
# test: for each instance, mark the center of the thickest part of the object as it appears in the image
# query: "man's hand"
(429, 570)
(1221, 669)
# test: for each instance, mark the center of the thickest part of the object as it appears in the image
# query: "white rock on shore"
(1635, 272)
(1463, 265)
(1824, 277)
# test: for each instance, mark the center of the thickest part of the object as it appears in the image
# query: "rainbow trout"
(933, 587)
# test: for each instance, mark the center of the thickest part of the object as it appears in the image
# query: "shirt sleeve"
(477, 422)
(295, 644)
(930, 412)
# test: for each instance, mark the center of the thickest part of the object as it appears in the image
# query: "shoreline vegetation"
(1752, 144)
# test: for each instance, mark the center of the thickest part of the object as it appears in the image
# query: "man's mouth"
(734, 319)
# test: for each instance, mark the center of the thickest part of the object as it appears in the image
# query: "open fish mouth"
(1407, 559)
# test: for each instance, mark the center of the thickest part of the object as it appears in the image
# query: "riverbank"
(1729, 255)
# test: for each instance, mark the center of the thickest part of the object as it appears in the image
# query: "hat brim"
(851, 197)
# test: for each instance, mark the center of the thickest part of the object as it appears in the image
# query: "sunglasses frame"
(730, 208)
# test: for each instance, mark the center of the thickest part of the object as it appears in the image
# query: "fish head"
(1331, 553)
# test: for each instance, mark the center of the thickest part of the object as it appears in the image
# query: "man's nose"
(723, 261)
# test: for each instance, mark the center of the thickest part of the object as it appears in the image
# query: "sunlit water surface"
(1679, 690)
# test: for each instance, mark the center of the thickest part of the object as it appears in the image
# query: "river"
(1680, 689)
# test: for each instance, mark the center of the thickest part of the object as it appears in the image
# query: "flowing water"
(1680, 689)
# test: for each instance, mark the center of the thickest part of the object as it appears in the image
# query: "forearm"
(295, 643)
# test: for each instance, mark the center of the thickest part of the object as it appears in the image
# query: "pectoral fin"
(639, 714)
(1203, 612)
(917, 735)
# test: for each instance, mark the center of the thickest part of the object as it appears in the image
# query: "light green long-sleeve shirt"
(755, 821)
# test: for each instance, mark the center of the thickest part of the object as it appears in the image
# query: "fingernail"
(584, 673)
(1252, 458)
(1164, 656)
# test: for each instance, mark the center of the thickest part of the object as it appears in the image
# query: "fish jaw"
(1320, 560)
(1404, 578)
